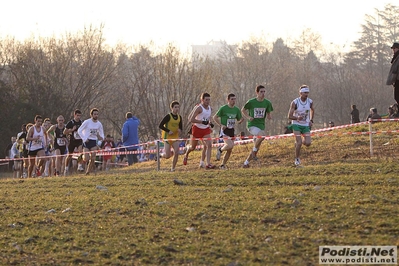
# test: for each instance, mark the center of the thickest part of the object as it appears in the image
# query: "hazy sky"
(188, 22)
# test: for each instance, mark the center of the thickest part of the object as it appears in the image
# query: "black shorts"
(229, 132)
(34, 153)
(74, 144)
(61, 148)
(90, 144)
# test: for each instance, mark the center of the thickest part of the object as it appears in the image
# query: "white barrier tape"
(384, 120)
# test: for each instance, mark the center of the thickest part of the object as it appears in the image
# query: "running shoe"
(245, 166)
(222, 167)
(254, 157)
(201, 165)
(210, 166)
(297, 162)
(184, 160)
(38, 173)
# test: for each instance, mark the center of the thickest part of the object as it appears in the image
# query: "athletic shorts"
(107, 157)
(255, 131)
(229, 132)
(200, 133)
(74, 144)
(170, 142)
(90, 144)
(34, 153)
(61, 148)
(301, 129)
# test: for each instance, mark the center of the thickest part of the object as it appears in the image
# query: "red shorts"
(107, 157)
(199, 132)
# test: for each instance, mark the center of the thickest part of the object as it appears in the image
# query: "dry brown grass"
(269, 214)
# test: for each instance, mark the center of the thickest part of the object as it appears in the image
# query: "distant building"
(212, 49)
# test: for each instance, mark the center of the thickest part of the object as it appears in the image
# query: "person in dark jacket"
(393, 77)
(373, 114)
(130, 136)
(355, 117)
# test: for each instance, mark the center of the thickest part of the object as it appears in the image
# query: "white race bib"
(259, 112)
(231, 123)
(61, 142)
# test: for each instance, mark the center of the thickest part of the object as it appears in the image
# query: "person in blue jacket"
(130, 136)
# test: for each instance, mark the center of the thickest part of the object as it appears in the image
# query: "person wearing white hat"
(301, 114)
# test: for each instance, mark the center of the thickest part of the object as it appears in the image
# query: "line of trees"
(53, 76)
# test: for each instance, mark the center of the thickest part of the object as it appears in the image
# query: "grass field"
(269, 214)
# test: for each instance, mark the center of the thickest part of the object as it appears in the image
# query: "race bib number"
(76, 135)
(61, 142)
(231, 123)
(304, 117)
(93, 133)
(39, 141)
(259, 112)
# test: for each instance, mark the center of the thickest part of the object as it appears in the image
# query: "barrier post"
(371, 137)
(158, 157)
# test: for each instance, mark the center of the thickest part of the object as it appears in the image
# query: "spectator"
(373, 114)
(395, 110)
(182, 146)
(121, 157)
(331, 124)
(130, 136)
(23, 148)
(391, 112)
(151, 148)
(143, 156)
(393, 76)
(107, 145)
(17, 166)
(354, 115)
(8, 153)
